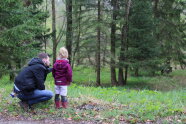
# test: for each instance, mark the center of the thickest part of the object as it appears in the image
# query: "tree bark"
(104, 52)
(54, 31)
(124, 46)
(113, 40)
(45, 39)
(78, 36)
(45, 27)
(27, 3)
(126, 38)
(136, 72)
(12, 72)
(69, 33)
(155, 8)
(98, 66)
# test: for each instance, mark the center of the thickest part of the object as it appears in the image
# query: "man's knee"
(50, 94)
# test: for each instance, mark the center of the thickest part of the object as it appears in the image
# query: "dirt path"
(42, 122)
(4, 120)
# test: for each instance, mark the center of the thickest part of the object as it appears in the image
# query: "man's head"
(45, 58)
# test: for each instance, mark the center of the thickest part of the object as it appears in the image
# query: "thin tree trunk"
(54, 30)
(136, 72)
(104, 52)
(69, 33)
(1, 74)
(121, 59)
(45, 27)
(155, 8)
(113, 40)
(98, 66)
(126, 74)
(78, 37)
(12, 72)
(126, 38)
(124, 46)
(156, 16)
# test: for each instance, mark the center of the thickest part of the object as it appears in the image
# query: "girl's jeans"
(36, 97)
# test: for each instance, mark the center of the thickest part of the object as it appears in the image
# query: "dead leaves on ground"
(90, 110)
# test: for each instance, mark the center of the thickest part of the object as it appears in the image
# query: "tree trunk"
(78, 37)
(104, 60)
(69, 33)
(126, 38)
(45, 26)
(121, 58)
(155, 8)
(12, 70)
(98, 66)
(54, 30)
(156, 16)
(1, 74)
(121, 80)
(136, 72)
(27, 3)
(124, 46)
(113, 40)
(126, 74)
(120, 76)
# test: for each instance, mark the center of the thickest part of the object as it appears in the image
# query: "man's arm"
(39, 73)
(53, 71)
(49, 70)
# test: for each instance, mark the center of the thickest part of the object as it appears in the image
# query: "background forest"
(129, 36)
(128, 47)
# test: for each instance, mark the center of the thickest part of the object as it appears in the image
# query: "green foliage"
(21, 31)
(152, 35)
(170, 31)
(143, 49)
(106, 104)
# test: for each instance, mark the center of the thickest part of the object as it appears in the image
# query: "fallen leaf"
(179, 121)
(69, 118)
(121, 118)
(149, 120)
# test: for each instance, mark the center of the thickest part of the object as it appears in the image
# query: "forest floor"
(5, 120)
(144, 100)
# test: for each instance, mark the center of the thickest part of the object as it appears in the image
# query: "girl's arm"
(69, 73)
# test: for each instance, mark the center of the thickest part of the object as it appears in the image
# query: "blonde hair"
(63, 53)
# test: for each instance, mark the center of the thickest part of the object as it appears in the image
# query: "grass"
(161, 98)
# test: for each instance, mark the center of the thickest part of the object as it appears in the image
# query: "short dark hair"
(43, 55)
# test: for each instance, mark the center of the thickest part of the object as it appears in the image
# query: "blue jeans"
(36, 97)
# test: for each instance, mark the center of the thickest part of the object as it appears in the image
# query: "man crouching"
(29, 84)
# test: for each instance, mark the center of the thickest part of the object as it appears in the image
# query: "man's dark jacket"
(32, 77)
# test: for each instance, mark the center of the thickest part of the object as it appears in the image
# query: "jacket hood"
(35, 61)
(62, 61)
(59, 64)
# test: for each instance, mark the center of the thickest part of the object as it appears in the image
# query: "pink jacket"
(62, 72)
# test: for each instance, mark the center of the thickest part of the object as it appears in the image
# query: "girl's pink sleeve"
(69, 73)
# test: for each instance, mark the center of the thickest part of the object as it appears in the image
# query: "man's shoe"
(24, 105)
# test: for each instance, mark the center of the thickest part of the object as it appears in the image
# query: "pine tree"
(21, 32)
(142, 46)
(170, 32)
(69, 30)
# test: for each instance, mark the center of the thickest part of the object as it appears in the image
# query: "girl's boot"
(64, 104)
(57, 104)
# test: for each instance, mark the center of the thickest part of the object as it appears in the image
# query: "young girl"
(62, 74)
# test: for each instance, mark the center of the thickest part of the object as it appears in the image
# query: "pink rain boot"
(65, 104)
(57, 103)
